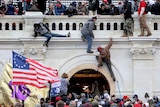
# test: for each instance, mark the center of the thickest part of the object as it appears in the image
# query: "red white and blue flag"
(29, 71)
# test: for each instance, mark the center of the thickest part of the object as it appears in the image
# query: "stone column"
(30, 18)
(143, 55)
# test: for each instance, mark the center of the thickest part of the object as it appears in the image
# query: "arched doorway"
(85, 78)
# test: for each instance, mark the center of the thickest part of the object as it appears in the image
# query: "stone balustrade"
(106, 25)
(135, 60)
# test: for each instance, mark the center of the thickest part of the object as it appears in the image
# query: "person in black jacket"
(42, 5)
(157, 7)
(93, 6)
(102, 10)
(128, 20)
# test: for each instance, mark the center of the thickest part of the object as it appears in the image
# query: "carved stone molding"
(34, 52)
(143, 52)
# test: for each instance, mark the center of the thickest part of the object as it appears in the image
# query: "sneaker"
(69, 34)
(99, 65)
(45, 44)
(89, 51)
(34, 35)
(83, 38)
(114, 79)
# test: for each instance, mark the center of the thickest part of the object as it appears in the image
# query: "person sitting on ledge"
(43, 30)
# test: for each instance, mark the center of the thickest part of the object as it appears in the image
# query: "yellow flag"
(6, 92)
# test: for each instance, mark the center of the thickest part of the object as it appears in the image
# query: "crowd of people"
(103, 100)
(106, 7)
(91, 97)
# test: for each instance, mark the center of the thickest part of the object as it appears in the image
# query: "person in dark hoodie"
(43, 30)
(128, 20)
(87, 32)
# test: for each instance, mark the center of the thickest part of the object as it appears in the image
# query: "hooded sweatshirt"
(88, 28)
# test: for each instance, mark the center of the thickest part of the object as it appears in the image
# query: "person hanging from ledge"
(43, 30)
(104, 56)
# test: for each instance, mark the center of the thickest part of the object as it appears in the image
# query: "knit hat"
(146, 95)
(105, 1)
(125, 97)
(99, 49)
(135, 96)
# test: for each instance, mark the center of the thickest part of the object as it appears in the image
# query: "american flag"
(29, 71)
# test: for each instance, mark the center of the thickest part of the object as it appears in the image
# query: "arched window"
(122, 26)
(115, 26)
(101, 26)
(53, 26)
(0, 26)
(74, 26)
(20, 26)
(67, 26)
(155, 26)
(60, 26)
(108, 26)
(13, 26)
(7, 26)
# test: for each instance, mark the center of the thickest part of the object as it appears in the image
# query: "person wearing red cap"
(126, 102)
(104, 56)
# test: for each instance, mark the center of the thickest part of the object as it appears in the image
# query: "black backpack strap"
(46, 26)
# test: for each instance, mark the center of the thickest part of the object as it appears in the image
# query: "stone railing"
(106, 25)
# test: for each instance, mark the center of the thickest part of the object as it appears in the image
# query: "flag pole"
(49, 93)
(119, 90)
(22, 103)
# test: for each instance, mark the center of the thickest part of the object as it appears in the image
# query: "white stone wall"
(135, 60)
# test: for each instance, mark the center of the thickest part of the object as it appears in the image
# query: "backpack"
(147, 9)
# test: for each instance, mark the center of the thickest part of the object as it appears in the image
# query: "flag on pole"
(31, 72)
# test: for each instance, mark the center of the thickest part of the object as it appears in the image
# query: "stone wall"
(135, 60)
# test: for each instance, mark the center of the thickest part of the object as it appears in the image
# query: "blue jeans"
(50, 35)
(89, 40)
(26, 6)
